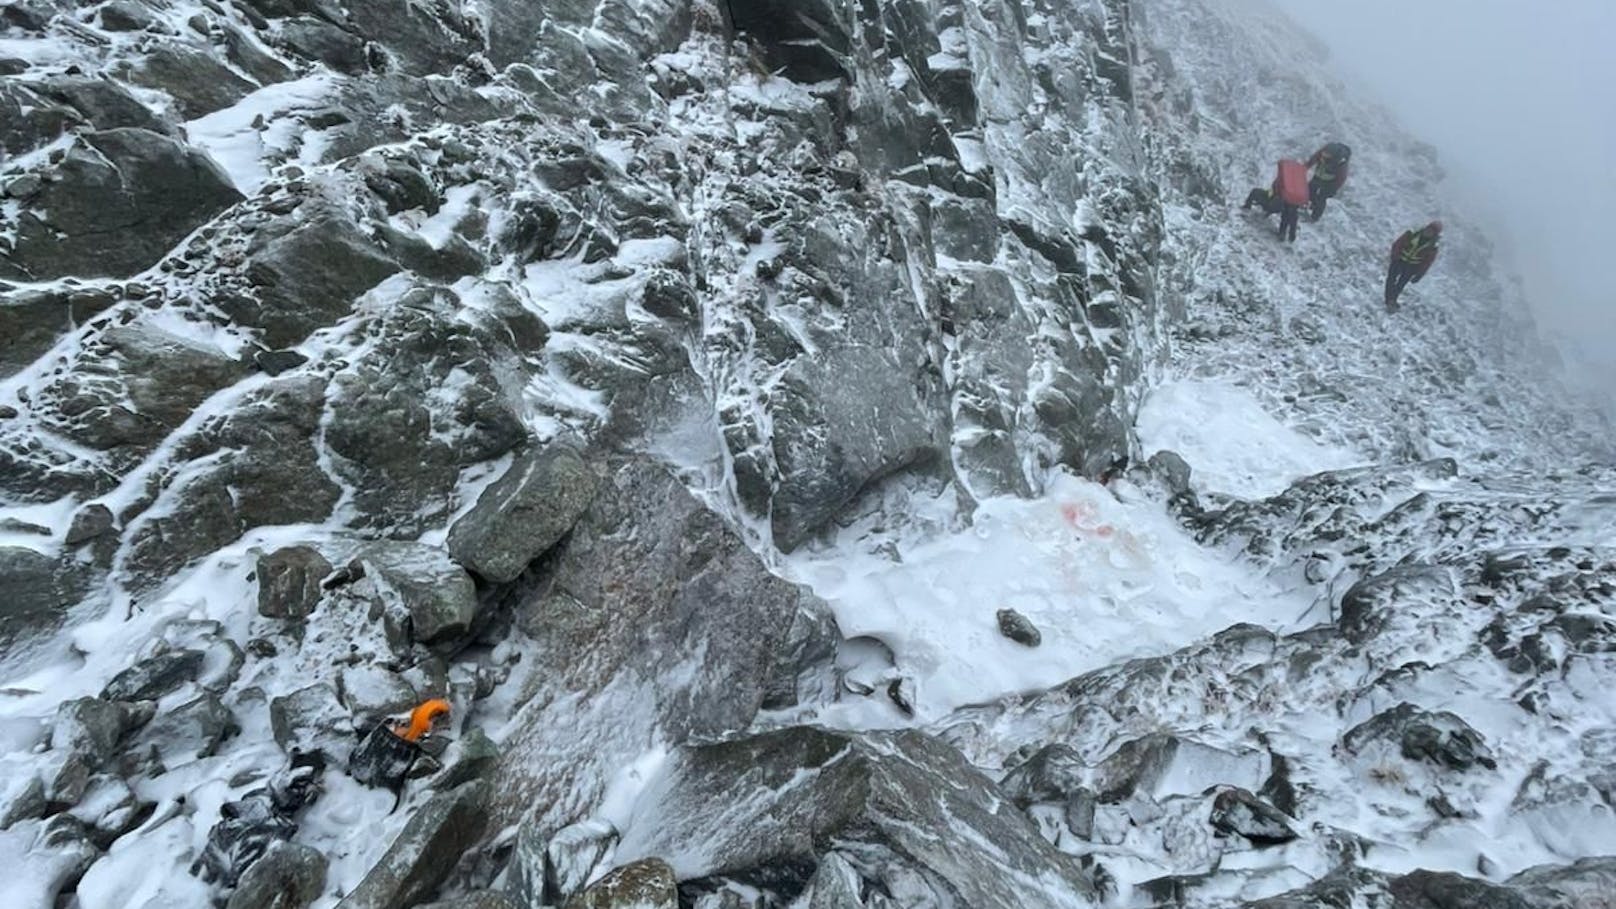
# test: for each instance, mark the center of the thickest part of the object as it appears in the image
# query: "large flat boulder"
(114, 204)
(307, 278)
(420, 582)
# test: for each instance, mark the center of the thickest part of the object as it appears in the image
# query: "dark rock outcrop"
(307, 278)
(1438, 738)
(650, 592)
(289, 876)
(36, 590)
(421, 584)
(114, 204)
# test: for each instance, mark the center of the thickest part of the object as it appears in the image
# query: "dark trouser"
(1397, 278)
(1288, 216)
(1262, 199)
(1318, 193)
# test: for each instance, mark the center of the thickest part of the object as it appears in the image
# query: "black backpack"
(1338, 152)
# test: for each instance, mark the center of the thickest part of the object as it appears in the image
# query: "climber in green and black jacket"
(1329, 166)
(1412, 256)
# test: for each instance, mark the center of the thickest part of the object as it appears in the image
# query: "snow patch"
(1232, 445)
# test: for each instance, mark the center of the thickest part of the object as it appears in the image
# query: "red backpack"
(1292, 182)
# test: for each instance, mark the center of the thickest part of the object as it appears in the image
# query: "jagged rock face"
(883, 800)
(496, 352)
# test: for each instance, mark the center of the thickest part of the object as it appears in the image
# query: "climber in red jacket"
(1412, 256)
(1284, 198)
(1329, 166)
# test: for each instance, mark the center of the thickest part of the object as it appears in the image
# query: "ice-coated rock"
(289, 581)
(422, 584)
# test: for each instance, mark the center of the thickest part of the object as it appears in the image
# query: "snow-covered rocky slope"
(746, 414)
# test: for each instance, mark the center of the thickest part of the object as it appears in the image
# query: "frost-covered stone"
(371, 693)
(103, 102)
(1234, 810)
(1018, 628)
(430, 397)
(650, 588)
(1440, 738)
(93, 726)
(310, 718)
(289, 876)
(436, 595)
(36, 590)
(571, 856)
(197, 81)
(485, 899)
(22, 797)
(274, 476)
(308, 276)
(551, 870)
(31, 322)
(472, 756)
(289, 581)
(1052, 774)
(523, 513)
(59, 851)
(1364, 605)
(189, 732)
(425, 852)
(643, 884)
(154, 676)
(835, 885)
(793, 792)
(1162, 765)
(91, 521)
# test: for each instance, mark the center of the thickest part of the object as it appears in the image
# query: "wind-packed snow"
(249, 136)
(1236, 447)
(1103, 573)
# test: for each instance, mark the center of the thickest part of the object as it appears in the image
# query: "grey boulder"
(420, 582)
(524, 513)
(289, 582)
(1439, 738)
(289, 876)
(155, 676)
(425, 852)
(36, 590)
(644, 884)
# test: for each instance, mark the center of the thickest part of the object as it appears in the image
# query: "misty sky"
(1519, 97)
